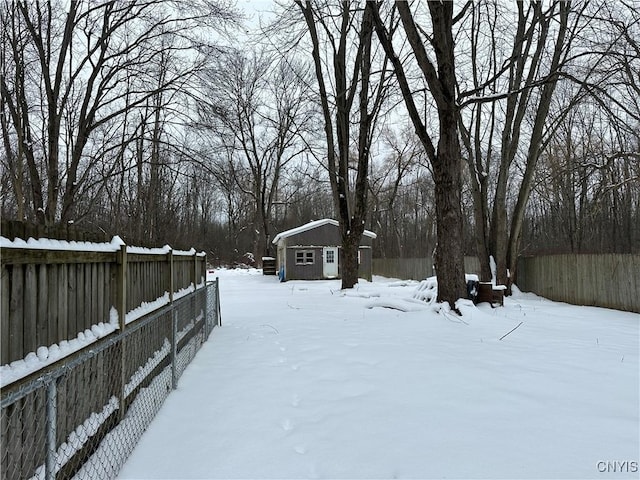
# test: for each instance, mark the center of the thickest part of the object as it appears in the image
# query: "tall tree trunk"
(537, 138)
(446, 161)
(349, 259)
(449, 256)
(351, 207)
(448, 167)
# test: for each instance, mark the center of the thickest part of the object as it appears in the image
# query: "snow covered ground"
(305, 381)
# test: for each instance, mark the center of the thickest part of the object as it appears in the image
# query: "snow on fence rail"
(53, 291)
(82, 416)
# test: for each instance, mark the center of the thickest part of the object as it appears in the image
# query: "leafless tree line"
(477, 128)
(91, 92)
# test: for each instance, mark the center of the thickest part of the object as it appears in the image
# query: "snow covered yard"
(303, 381)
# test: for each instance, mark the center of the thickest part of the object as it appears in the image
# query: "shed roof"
(312, 225)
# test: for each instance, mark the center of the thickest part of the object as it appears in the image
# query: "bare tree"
(21, 163)
(389, 183)
(588, 184)
(586, 189)
(341, 48)
(444, 154)
(506, 116)
(262, 114)
(89, 64)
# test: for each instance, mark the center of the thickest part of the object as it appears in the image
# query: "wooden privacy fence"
(415, 268)
(53, 290)
(603, 280)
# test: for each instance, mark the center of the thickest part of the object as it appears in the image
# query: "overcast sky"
(255, 7)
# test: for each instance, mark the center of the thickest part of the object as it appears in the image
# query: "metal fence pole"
(52, 420)
(174, 348)
(218, 316)
(206, 312)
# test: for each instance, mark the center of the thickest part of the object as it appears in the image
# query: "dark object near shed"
(493, 294)
(268, 266)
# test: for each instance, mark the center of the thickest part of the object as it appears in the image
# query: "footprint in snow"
(287, 425)
(295, 400)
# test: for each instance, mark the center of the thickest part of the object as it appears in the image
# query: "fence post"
(170, 273)
(122, 319)
(174, 322)
(122, 287)
(52, 422)
(194, 269)
(206, 312)
(218, 316)
(203, 268)
(174, 349)
(207, 329)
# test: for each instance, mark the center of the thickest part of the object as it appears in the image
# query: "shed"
(313, 251)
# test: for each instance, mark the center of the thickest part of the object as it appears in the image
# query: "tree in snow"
(515, 103)
(260, 114)
(444, 155)
(350, 92)
(76, 78)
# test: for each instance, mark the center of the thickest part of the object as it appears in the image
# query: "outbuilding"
(313, 251)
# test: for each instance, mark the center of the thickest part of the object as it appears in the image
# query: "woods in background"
(168, 124)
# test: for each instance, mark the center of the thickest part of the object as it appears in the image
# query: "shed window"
(305, 257)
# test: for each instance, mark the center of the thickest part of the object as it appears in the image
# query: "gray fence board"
(52, 303)
(41, 316)
(81, 285)
(16, 314)
(5, 295)
(30, 309)
(63, 302)
(415, 268)
(604, 280)
(74, 321)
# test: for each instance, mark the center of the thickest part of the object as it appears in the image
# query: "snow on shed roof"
(312, 225)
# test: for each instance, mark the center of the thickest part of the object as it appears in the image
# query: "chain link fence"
(82, 419)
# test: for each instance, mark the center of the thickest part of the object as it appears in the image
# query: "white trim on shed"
(312, 225)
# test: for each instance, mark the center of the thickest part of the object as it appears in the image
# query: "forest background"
(199, 125)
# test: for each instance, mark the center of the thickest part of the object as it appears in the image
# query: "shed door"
(330, 262)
